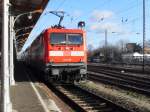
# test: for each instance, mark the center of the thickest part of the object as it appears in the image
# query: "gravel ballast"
(133, 101)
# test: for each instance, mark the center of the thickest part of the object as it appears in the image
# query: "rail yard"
(85, 96)
(74, 56)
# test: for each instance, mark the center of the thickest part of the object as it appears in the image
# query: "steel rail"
(80, 99)
(85, 101)
(126, 76)
(113, 67)
(122, 83)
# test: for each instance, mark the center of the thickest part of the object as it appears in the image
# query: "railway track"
(82, 100)
(119, 68)
(123, 80)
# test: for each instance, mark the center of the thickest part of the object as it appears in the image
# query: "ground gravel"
(133, 101)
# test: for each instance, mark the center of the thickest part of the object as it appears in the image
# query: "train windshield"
(57, 38)
(75, 39)
(60, 38)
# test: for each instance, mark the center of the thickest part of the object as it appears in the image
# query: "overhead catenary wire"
(128, 20)
(125, 11)
(61, 4)
(102, 4)
(133, 6)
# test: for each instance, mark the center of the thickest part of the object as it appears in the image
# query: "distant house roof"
(137, 54)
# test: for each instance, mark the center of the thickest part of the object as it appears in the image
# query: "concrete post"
(6, 104)
(11, 54)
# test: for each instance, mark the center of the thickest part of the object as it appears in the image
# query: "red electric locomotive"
(60, 53)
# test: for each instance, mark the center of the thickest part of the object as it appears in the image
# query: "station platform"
(28, 96)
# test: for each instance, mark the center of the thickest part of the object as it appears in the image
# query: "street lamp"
(7, 55)
(6, 103)
(13, 39)
(26, 13)
(17, 17)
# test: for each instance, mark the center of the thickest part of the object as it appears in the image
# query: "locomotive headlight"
(82, 71)
(55, 71)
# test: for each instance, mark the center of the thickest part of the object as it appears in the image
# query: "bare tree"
(90, 50)
(147, 43)
(122, 45)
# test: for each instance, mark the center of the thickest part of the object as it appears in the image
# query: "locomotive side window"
(74, 39)
(58, 38)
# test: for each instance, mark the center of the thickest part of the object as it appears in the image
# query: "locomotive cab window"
(74, 39)
(60, 38)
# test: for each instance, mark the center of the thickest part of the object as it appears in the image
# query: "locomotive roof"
(65, 30)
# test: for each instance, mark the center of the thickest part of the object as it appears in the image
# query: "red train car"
(60, 53)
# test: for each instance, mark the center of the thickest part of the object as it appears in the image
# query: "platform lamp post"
(13, 40)
(26, 13)
(7, 54)
(20, 15)
(6, 103)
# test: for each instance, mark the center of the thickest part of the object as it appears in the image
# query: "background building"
(133, 47)
(130, 47)
(147, 50)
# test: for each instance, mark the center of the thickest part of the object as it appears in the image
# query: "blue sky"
(123, 17)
